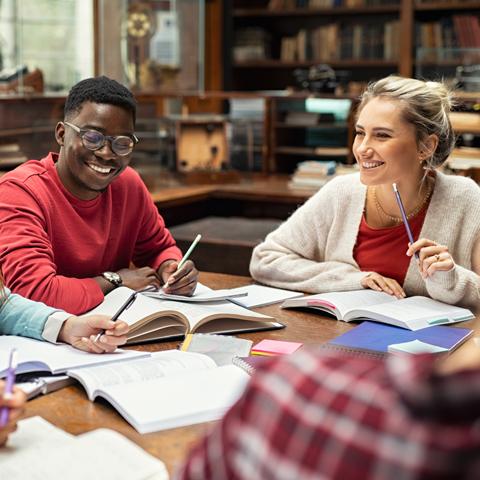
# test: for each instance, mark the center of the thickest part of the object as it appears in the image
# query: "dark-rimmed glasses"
(121, 145)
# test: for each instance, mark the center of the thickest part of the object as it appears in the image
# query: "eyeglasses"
(94, 140)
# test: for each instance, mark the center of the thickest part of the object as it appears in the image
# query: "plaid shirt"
(318, 416)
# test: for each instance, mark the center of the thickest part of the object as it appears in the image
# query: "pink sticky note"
(275, 347)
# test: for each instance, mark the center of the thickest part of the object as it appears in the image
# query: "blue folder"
(376, 337)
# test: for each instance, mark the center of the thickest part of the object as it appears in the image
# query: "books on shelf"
(412, 313)
(38, 356)
(38, 449)
(382, 338)
(343, 41)
(464, 158)
(167, 390)
(158, 319)
(437, 40)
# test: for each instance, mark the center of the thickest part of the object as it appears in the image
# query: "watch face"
(113, 277)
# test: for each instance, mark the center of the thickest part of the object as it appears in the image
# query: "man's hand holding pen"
(180, 278)
(178, 281)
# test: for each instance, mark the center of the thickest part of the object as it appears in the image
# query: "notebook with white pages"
(39, 450)
(38, 356)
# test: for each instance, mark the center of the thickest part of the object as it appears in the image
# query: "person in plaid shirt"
(318, 415)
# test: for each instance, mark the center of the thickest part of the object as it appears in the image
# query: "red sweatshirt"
(53, 243)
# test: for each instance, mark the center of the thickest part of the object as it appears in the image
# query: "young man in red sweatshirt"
(73, 223)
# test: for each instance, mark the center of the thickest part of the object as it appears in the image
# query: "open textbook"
(155, 319)
(39, 450)
(412, 313)
(167, 390)
(38, 356)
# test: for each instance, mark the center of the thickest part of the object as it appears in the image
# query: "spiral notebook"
(375, 338)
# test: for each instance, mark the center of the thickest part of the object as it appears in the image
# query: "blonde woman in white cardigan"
(350, 235)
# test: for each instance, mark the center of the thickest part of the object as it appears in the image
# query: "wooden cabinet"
(265, 41)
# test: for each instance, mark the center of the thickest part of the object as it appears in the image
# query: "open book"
(412, 313)
(38, 356)
(38, 449)
(154, 319)
(167, 390)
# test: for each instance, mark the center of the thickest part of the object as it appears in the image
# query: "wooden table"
(71, 410)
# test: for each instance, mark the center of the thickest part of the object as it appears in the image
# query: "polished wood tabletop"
(70, 409)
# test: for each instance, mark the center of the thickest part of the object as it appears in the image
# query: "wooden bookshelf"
(302, 12)
(258, 64)
(400, 23)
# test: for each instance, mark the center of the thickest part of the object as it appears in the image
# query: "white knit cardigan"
(313, 250)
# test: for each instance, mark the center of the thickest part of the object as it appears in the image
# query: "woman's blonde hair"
(426, 105)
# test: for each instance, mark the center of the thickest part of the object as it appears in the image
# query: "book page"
(160, 364)
(197, 314)
(178, 400)
(31, 432)
(413, 313)
(142, 307)
(259, 295)
(346, 301)
(43, 451)
(35, 355)
(210, 296)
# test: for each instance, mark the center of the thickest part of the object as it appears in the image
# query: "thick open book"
(38, 356)
(167, 390)
(155, 319)
(412, 313)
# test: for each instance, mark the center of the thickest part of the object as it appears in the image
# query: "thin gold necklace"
(414, 212)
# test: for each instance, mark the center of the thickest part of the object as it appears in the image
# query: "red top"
(53, 243)
(382, 250)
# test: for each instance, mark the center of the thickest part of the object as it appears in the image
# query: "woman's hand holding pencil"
(15, 402)
(431, 257)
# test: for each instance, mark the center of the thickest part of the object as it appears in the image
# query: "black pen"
(128, 303)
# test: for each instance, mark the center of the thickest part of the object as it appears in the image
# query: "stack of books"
(251, 44)
(11, 156)
(312, 174)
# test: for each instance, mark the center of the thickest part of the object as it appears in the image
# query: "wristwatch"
(113, 277)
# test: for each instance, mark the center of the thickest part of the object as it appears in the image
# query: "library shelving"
(266, 40)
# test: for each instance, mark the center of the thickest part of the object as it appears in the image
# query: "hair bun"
(444, 94)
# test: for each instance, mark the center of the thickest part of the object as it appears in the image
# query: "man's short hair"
(99, 90)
